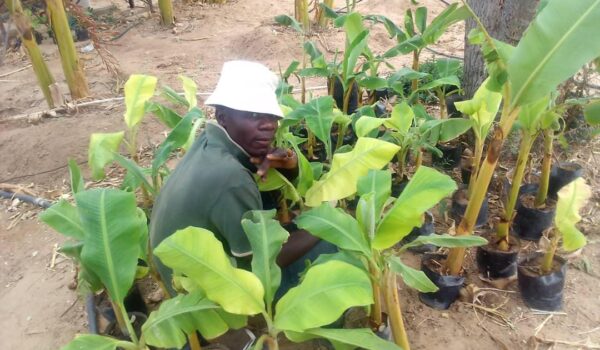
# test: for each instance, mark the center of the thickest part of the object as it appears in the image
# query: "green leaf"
(189, 89)
(328, 11)
(362, 338)
(290, 69)
(112, 238)
(63, 218)
(421, 18)
(413, 278)
(449, 129)
(409, 24)
(276, 181)
(449, 80)
(134, 170)
(305, 172)
(181, 316)
(591, 113)
(165, 114)
(288, 21)
(530, 115)
(407, 46)
(97, 342)
(451, 15)
(266, 237)
(325, 293)
(380, 183)
(138, 89)
(343, 255)
(447, 67)
(554, 47)
(482, 109)
(447, 241)
(173, 96)
(196, 253)
(176, 138)
(318, 114)
(373, 83)
(347, 168)
(367, 214)
(364, 125)
(101, 150)
(77, 183)
(426, 188)
(351, 54)
(192, 134)
(571, 198)
(335, 226)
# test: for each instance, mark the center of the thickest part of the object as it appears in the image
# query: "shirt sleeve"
(226, 215)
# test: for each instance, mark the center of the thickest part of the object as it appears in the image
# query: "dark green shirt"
(212, 187)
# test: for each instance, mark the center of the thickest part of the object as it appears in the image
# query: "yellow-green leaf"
(347, 168)
(190, 89)
(139, 88)
(101, 151)
(571, 199)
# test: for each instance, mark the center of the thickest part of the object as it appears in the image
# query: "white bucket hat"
(246, 86)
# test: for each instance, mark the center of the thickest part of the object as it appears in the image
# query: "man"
(213, 185)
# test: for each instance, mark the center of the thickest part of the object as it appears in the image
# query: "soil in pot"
(465, 174)
(449, 286)
(424, 230)
(460, 200)
(451, 155)
(338, 95)
(561, 175)
(399, 186)
(542, 291)
(494, 263)
(531, 222)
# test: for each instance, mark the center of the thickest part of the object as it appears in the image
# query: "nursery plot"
(41, 312)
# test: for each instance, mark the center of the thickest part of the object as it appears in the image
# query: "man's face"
(254, 132)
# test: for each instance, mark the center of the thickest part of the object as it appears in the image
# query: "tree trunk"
(505, 20)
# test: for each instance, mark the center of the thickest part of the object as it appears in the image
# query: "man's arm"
(298, 244)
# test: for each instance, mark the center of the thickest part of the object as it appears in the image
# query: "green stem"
(341, 133)
(194, 341)
(419, 160)
(124, 322)
(503, 230)
(549, 256)
(540, 198)
(442, 98)
(166, 12)
(74, 75)
(476, 164)
(42, 73)
(415, 67)
(467, 224)
(394, 310)
(376, 282)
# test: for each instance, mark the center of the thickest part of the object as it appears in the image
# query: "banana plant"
(413, 130)
(554, 47)
(323, 295)
(375, 229)
(104, 147)
(571, 199)
(108, 235)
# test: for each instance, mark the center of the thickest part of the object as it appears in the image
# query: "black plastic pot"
(398, 187)
(425, 230)
(449, 286)
(338, 95)
(541, 292)
(459, 206)
(530, 223)
(451, 108)
(494, 263)
(561, 175)
(451, 155)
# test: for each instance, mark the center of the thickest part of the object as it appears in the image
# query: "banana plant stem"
(376, 311)
(542, 193)
(549, 256)
(419, 160)
(124, 321)
(475, 165)
(415, 67)
(194, 341)
(503, 230)
(394, 310)
(467, 224)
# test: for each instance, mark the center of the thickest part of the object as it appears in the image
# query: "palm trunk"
(42, 73)
(72, 68)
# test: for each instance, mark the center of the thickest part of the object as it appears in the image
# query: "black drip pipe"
(90, 304)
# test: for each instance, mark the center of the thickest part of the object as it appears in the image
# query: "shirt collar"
(217, 133)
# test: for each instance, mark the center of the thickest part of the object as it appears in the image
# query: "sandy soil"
(41, 312)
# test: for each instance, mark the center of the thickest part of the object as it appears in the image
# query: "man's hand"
(277, 158)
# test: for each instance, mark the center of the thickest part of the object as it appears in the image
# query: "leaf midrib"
(107, 251)
(552, 51)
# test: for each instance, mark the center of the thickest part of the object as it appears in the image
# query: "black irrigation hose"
(90, 304)
(26, 198)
